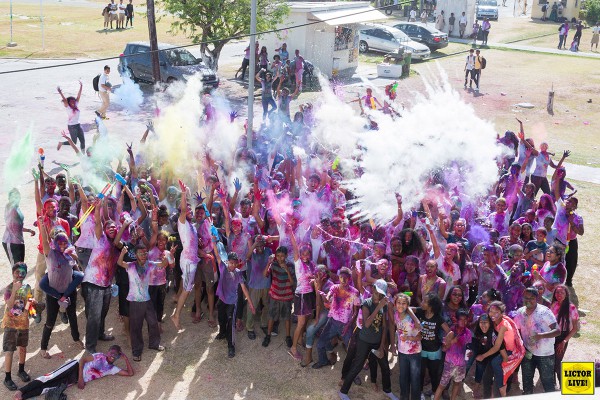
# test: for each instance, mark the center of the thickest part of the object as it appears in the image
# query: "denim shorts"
(432, 355)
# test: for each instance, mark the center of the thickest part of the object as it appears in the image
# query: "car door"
(424, 36)
(388, 43)
(375, 39)
(144, 63)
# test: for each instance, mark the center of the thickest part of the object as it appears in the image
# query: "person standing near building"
(469, 65)
(299, 71)
(104, 88)
(440, 21)
(462, 24)
(129, 14)
(451, 22)
(485, 29)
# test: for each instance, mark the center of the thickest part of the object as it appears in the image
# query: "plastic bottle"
(42, 156)
(114, 290)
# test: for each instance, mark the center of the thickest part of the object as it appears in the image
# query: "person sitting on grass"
(90, 367)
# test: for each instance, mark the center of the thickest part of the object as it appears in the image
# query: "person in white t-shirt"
(104, 88)
(113, 13)
(413, 15)
(462, 24)
(595, 36)
(121, 15)
(71, 105)
(469, 65)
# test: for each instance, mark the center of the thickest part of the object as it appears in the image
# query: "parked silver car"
(377, 37)
(487, 9)
(175, 64)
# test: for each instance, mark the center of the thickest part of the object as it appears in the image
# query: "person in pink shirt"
(298, 71)
(343, 311)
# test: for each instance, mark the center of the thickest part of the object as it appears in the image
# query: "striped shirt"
(282, 289)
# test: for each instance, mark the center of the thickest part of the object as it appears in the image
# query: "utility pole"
(11, 43)
(153, 41)
(251, 73)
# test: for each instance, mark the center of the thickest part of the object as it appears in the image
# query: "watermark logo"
(577, 378)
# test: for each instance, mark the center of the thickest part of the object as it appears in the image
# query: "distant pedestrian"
(413, 15)
(299, 71)
(245, 64)
(129, 14)
(485, 30)
(424, 17)
(545, 11)
(462, 25)
(451, 22)
(595, 36)
(121, 8)
(554, 12)
(578, 32)
(440, 21)
(104, 89)
(566, 33)
(113, 14)
(469, 65)
(106, 15)
(476, 28)
(476, 74)
(561, 36)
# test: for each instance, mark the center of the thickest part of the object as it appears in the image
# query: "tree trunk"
(211, 57)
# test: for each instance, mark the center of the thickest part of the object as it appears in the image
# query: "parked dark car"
(175, 64)
(425, 34)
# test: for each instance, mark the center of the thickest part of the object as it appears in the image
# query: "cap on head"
(381, 286)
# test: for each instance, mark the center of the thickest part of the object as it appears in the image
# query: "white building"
(330, 41)
(457, 7)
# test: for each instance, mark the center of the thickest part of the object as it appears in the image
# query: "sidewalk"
(532, 49)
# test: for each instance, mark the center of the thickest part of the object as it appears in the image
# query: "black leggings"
(129, 20)
(363, 350)
(571, 261)
(67, 374)
(52, 309)
(76, 133)
(435, 372)
(14, 252)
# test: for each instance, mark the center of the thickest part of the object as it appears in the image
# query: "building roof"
(338, 13)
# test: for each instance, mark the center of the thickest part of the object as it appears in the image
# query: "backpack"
(483, 62)
(95, 82)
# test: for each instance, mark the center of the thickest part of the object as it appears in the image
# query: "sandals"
(297, 356)
(45, 354)
(212, 323)
(196, 320)
(137, 358)
(239, 325)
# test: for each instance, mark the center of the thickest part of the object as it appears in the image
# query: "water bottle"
(114, 290)
(222, 252)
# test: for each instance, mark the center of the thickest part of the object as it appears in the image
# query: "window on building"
(343, 38)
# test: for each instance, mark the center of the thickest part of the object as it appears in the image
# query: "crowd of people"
(263, 237)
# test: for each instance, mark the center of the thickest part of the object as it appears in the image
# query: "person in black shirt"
(129, 13)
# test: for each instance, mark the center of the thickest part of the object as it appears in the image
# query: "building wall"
(457, 7)
(571, 9)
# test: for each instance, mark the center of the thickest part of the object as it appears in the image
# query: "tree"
(212, 22)
(592, 11)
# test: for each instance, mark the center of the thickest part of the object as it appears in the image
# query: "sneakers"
(391, 395)
(251, 335)
(231, 352)
(275, 331)
(266, 332)
(221, 336)
(160, 347)
(106, 337)
(24, 376)
(266, 341)
(10, 385)
(288, 341)
(343, 396)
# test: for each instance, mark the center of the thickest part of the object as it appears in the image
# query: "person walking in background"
(578, 32)
(424, 17)
(545, 11)
(476, 28)
(106, 15)
(485, 29)
(104, 88)
(451, 22)
(462, 25)
(469, 65)
(299, 71)
(129, 14)
(595, 36)
(561, 36)
(566, 30)
(413, 15)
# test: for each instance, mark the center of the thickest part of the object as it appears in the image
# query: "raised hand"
(130, 149)
(35, 173)
(233, 115)
(566, 153)
(221, 193)
(237, 184)
(150, 125)
(199, 198)
(182, 186)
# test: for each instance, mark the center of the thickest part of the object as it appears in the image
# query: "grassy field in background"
(73, 32)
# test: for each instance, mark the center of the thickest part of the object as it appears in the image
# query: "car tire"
(363, 47)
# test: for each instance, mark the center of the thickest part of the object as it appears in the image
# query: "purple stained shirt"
(256, 268)
(304, 274)
(98, 368)
(556, 273)
(343, 303)
(491, 278)
(455, 355)
(189, 240)
(228, 284)
(102, 265)
(14, 225)
(60, 270)
(139, 277)
(337, 253)
(158, 276)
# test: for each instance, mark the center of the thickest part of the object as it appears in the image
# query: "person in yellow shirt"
(477, 69)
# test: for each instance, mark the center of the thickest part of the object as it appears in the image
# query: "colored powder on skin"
(18, 162)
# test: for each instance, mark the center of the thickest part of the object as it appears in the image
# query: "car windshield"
(492, 3)
(180, 57)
